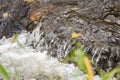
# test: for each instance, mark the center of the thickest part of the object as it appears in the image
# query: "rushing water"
(31, 64)
(98, 21)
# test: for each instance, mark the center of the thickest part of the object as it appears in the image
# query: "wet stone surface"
(16, 15)
(97, 20)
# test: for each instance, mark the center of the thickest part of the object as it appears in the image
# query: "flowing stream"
(25, 63)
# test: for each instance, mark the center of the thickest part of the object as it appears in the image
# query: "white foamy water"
(31, 64)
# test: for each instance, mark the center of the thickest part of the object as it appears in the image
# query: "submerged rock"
(97, 20)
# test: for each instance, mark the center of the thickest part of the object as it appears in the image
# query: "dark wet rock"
(15, 17)
(97, 20)
(10, 16)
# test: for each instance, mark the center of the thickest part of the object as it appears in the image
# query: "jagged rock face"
(97, 20)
